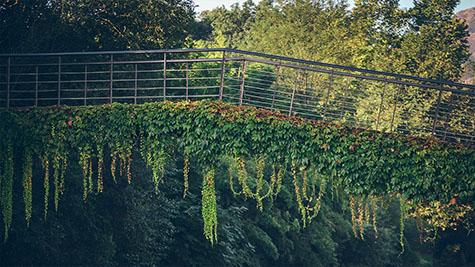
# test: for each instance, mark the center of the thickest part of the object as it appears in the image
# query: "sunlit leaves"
(6, 183)
(208, 207)
(259, 146)
(28, 186)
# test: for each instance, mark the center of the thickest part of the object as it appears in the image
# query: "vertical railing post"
(437, 108)
(381, 106)
(85, 85)
(305, 87)
(111, 78)
(292, 100)
(186, 81)
(36, 86)
(342, 102)
(8, 81)
(164, 75)
(221, 86)
(447, 116)
(276, 84)
(243, 77)
(393, 115)
(135, 83)
(330, 85)
(59, 81)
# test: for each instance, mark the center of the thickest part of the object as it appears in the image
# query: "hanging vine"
(279, 175)
(56, 176)
(45, 162)
(86, 167)
(301, 207)
(186, 170)
(242, 177)
(208, 207)
(353, 215)
(309, 204)
(100, 167)
(7, 188)
(28, 185)
(238, 165)
(374, 208)
(157, 160)
(260, 173)
(361, 218)
(62, 182)
(262, 142)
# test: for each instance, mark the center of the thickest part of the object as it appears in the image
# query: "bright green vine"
(56, 175)
(238, 165)
(309, 204)
(100, 168)
(86, 167)
(45, 162)
(302, 209)
(157, 160)
(7, 188)
(186, 170)
(28, 186)
(353, 215)
(361, 218)
(208, 207)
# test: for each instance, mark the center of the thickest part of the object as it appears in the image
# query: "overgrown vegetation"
(342, 183)
(363, 164)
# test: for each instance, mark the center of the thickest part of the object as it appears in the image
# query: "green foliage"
(6, 183)
(426, 40)
(208, 207)
(58, 25)
(132, 225)
(361, 163)
(186, 171)
(228, 24)
(46, 186)
(28, 186)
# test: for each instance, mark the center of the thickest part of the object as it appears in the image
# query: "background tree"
(229, 25)
(435, 45)
(59, 25)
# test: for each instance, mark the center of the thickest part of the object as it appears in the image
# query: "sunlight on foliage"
(258, 146)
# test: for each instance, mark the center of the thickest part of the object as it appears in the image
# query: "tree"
(59, 25)
(436, 45)
(231, 24)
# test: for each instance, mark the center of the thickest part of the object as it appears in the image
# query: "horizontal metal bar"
(133, 52)
(347, 68)
(107, 63)
(373, 78)
(255, 54)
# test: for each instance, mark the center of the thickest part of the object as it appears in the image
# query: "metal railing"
(315, 90)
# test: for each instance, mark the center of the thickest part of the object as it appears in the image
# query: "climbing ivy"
(28, 185)
(6, 185)
(208, 207)
(186, 171)
(261, 148)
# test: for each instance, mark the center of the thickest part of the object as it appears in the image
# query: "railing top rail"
(92, 53)
(354, 69)
(257, 54)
